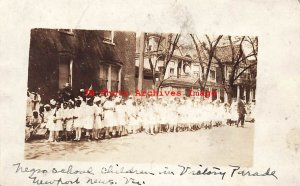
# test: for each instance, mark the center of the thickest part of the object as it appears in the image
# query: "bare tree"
(239, 62)
(209, 53)
(166, 45)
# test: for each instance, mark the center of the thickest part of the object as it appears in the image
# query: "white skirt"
(109, 119)
(89, 122)
(69, 125)
(98, 123)
(78, 123)
(58, 126)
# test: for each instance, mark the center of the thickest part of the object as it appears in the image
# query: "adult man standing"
(241, 112)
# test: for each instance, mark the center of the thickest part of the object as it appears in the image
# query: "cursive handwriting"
(128, 176)
(71, 171)
(206, 171)
(133, 181)
(33, 171)
(58, 182)
(236, 170)
(101, 181)
(167, 172)
(116, 170)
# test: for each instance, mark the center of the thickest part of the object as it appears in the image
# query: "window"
(196, 74)
(64, 71)
(103, 77)
(171, 71)
(229, 73)
(186, 68)
(114, 78)
(212, 74)
(66, 31)
(108, 37)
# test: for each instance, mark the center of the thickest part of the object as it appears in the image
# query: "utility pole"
(141, 61)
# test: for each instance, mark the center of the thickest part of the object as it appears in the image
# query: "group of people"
(101, 117)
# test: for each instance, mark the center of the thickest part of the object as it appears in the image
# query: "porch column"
(237, 92)
(218, 94)
(181, 70)
(109, 78)
(250, 95)
(71, 72)
(225, 97)
(119, 79)
(210, 93)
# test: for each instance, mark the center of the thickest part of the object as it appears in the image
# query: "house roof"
(187, 82)
(184, 81)
(224, 53)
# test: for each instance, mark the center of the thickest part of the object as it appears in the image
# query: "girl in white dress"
(121, 114)
(132, 117)
(50, 121)
(109, 116)
(69, 119)
(78, 116)
(181, 115)
(47, 112)
(58, 122)
(150, 119)
(98, 115)
(140, 115)
(65, 116)
(164, 117)
(89, 118)
(206, 115)
(173, 116)
(233, 111)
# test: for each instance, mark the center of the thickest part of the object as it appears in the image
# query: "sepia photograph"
(138, 97)
(149, 93)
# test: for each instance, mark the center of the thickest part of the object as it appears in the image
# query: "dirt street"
(218, 146)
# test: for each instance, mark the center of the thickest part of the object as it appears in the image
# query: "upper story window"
(108, 37)
(66, 31)
(196, 74)
(212, 74)
(172, 72)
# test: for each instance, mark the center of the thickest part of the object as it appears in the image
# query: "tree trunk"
(141, 61)
(229, 94)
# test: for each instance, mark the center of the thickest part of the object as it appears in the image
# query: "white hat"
(52, 102)
(47, 105)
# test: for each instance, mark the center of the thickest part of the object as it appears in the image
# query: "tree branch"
(244, 71)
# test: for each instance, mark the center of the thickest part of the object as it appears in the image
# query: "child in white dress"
(58, 122)
(109, 116)
(121, 114)
(78, 116)
(89, 118)
(98, 115)
(69, 120)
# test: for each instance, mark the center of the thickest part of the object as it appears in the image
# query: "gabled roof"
(224, 53)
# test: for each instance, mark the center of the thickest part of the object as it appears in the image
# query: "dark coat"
(241, 108)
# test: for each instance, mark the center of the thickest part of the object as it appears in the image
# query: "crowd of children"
(103, 117)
